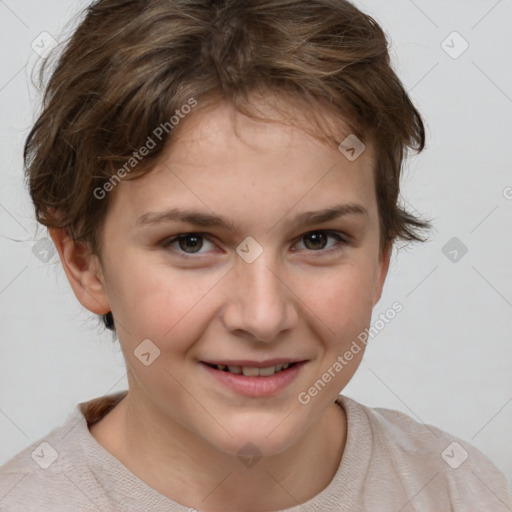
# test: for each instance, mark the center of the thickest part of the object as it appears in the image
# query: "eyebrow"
(210, 220)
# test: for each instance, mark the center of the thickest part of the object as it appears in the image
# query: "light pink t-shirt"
(391, 463)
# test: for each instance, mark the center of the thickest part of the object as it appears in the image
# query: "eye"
(316, 241)
(189, 243)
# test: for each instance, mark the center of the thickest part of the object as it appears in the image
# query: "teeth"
(253, 372)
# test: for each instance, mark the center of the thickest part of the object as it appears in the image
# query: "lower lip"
(256, 386)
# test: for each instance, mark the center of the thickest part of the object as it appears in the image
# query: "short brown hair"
(131, 64)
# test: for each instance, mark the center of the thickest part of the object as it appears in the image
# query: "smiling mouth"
(252, 371)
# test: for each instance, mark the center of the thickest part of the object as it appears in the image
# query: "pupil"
(317, 237)
(196, 243)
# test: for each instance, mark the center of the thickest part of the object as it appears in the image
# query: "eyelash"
(342, 241)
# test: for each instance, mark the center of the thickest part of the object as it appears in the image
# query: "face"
(267, 284)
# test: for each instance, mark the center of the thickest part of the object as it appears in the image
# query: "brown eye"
(316, 241)
(188, 243)
(192, 242)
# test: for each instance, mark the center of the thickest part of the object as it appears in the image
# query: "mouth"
(253, 369)
(254, 378)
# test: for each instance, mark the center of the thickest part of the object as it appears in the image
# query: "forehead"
(221, 141)
(284, 127)
(225, 162)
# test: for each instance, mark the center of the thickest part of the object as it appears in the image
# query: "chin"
(253, 436)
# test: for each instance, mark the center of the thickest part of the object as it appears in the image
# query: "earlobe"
(83, 271)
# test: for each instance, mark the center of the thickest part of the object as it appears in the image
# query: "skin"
(179, 430)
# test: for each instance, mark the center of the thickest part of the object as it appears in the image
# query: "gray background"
(444, 360)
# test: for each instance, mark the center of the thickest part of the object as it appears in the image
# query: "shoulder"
(411, 437)
(33, 474)
(415, 451)
(52, 473)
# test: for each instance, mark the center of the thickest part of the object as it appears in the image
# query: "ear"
(83, 271)
(384, 260)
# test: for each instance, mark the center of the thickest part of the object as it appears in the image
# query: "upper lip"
(255, 364)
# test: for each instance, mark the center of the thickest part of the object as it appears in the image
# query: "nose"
(261, 304)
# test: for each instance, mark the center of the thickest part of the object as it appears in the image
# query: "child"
(253, 130)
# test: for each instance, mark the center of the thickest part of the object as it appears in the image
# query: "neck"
(182, 466)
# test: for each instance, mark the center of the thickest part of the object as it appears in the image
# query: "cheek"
(341, 298)
(170, 307)
(173, 307)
